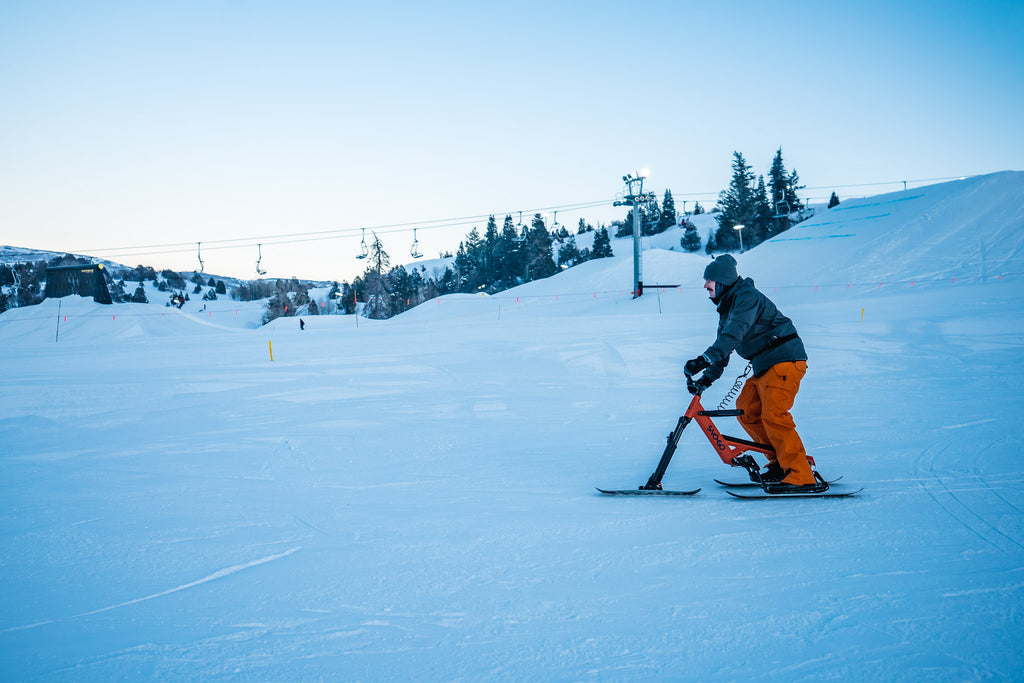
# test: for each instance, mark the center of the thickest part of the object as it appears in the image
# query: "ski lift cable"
(240, 243)
(287, 238)
(338, 233)
(299, 238)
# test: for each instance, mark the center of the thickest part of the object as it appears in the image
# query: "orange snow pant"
(765, 402)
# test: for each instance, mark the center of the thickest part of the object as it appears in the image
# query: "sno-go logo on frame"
(715, 437)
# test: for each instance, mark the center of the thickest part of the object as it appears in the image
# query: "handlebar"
(694, 387)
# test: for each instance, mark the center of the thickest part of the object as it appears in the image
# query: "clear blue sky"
(149, 123)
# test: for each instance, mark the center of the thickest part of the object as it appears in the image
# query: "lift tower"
(635, 198)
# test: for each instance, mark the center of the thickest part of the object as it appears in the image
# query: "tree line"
(499, 259)
(764, 209)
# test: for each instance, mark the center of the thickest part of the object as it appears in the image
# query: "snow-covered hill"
(413, 499)
(967, 228)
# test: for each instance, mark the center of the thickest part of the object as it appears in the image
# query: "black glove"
(695, 365)
(697, 386)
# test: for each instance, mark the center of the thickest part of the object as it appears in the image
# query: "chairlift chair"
(414, 251)
(259, 257)
(782, 208)
(556, 227)
(364, 251)
(520, 237)
(199, 255)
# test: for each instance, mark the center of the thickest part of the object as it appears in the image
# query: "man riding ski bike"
(751, 325)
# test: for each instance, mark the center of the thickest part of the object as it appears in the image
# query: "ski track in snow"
(212, 577)
(971, 516)
(228, 571)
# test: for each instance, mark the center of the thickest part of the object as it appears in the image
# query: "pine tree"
(539, 262)
(697, 209)
(712, 244)
(738, 205)
(833, 200)
(780, 194)
(379, 259)
(508, 265)
(690, 241)
(401, 290)
(762, 223)
(792, 185)
(490, 248)
(287, 296)
(448, 282)
(468, 262)
(301, 292)
(348, 299)
(783, 190)
(778, 184)
(568, 253)
(378, 301)
(602, 244)
(668, 212)
(276, 307)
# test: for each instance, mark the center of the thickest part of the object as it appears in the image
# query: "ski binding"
(754, 484)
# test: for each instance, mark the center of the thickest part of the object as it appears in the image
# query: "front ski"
(753, 484)
(645, 492)
(822, 494)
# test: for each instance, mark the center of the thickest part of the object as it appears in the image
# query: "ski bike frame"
(732, 450)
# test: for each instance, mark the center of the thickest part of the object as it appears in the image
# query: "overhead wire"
(408, 226)
(313, 236)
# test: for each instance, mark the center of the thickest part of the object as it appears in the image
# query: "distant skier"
(302, 324)
(751, 325)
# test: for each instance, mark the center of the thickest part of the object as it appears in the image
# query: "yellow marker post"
(861, 316)
(270, 345)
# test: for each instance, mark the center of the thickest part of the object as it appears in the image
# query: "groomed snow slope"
(413, 499)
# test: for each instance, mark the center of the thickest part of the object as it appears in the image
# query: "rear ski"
(822, 494)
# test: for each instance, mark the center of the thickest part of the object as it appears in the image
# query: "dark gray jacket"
(751, 325)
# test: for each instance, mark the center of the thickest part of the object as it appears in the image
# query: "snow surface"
(414, 499)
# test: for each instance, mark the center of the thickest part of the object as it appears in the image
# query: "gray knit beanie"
(723, 270)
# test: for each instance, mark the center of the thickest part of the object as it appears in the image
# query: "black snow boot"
(771, 473)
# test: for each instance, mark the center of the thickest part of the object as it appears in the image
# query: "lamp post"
(740, 229)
